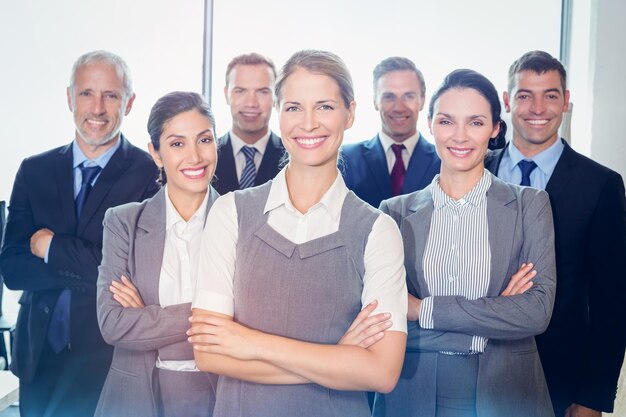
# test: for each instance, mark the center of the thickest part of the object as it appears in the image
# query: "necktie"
(249, 170)
(59, 328)
(89, 173)
(526, 167)
(398, 170)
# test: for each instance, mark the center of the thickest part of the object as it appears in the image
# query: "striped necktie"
(249, 170)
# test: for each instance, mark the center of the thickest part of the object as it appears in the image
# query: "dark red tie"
(398, 170)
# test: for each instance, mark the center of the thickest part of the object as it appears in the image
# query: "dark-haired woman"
(480, 269)
(145, 283)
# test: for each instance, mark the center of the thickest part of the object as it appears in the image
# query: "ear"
(566, 103)
(129, 104)
(155, 155)
(226, 95)
(430, 122)
(507, 104)
(68, 92)
(351, 114)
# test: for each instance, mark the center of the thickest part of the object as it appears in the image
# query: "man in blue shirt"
(53, 241)
(583, 348)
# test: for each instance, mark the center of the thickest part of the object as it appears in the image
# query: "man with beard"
(250, 153)
(398, 160)
(53, 241)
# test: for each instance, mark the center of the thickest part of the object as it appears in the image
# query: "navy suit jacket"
(43, 197)
(583, 349)
(365, 171)
(226, 174)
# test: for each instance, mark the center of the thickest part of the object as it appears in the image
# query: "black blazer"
(226, 174)
(583, 349)
(365, 171)
(43, 196)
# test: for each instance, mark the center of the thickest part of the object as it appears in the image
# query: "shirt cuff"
(478, 344)
(45, 258)
(426, 313)
(213, 301)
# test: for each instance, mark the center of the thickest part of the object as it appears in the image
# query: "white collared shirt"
(384, 278)
(409, 146)
(240, 159)
(182, 248)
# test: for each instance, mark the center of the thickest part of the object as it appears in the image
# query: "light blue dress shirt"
(545, 160)
(78, 158)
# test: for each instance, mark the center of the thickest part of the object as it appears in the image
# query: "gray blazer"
(510, 378)
(133, 242)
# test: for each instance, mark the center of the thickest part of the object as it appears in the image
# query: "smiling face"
(187, 153)
(99, 106)
(399, 99)
(462, 126)
(313, 118)
(536, 103)
(249, 94)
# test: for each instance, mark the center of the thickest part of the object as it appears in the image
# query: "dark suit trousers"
(59, 389)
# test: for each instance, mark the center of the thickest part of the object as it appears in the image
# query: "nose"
(251, 100)
(98, 106)
(309, 120)
(460, 133)
(193, 154)
(537, 105)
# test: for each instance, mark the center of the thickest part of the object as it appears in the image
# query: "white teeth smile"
(460, 152)
(309, 141)
(537, 122)
(96, 122)
(194, 172)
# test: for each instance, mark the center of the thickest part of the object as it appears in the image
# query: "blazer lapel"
(112, 172)
(271, 158)
(501, 220)
(415, 228)
(65, 183)
(418, 166)
(561, 176)
(149, 245)
(376, 162)
(226, 172)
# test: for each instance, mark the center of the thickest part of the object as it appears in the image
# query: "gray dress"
(279, 287)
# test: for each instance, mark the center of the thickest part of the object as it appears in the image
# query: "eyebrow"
(473, 116)
(549, 90)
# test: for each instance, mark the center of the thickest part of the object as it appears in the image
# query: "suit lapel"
(112, 172)
(376, 162)
(493, 159)
(418, 166)
(501, 220)
(226, 172)
(561, 176)
(149, 245)
(271, 158)
(65, 183)
(415, 229)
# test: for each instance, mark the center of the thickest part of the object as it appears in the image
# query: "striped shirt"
(457, 257)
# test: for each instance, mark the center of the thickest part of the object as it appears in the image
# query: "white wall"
(161, 40)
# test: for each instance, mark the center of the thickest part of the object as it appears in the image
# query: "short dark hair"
(397, 63)
(538, 62)
(319, 62)
(250, 59)
(466, 78)
(171, 105)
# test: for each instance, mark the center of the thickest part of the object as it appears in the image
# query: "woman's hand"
(413, 313)
(219, 334)
(125, 293)
(521, 281)
(366, 330)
